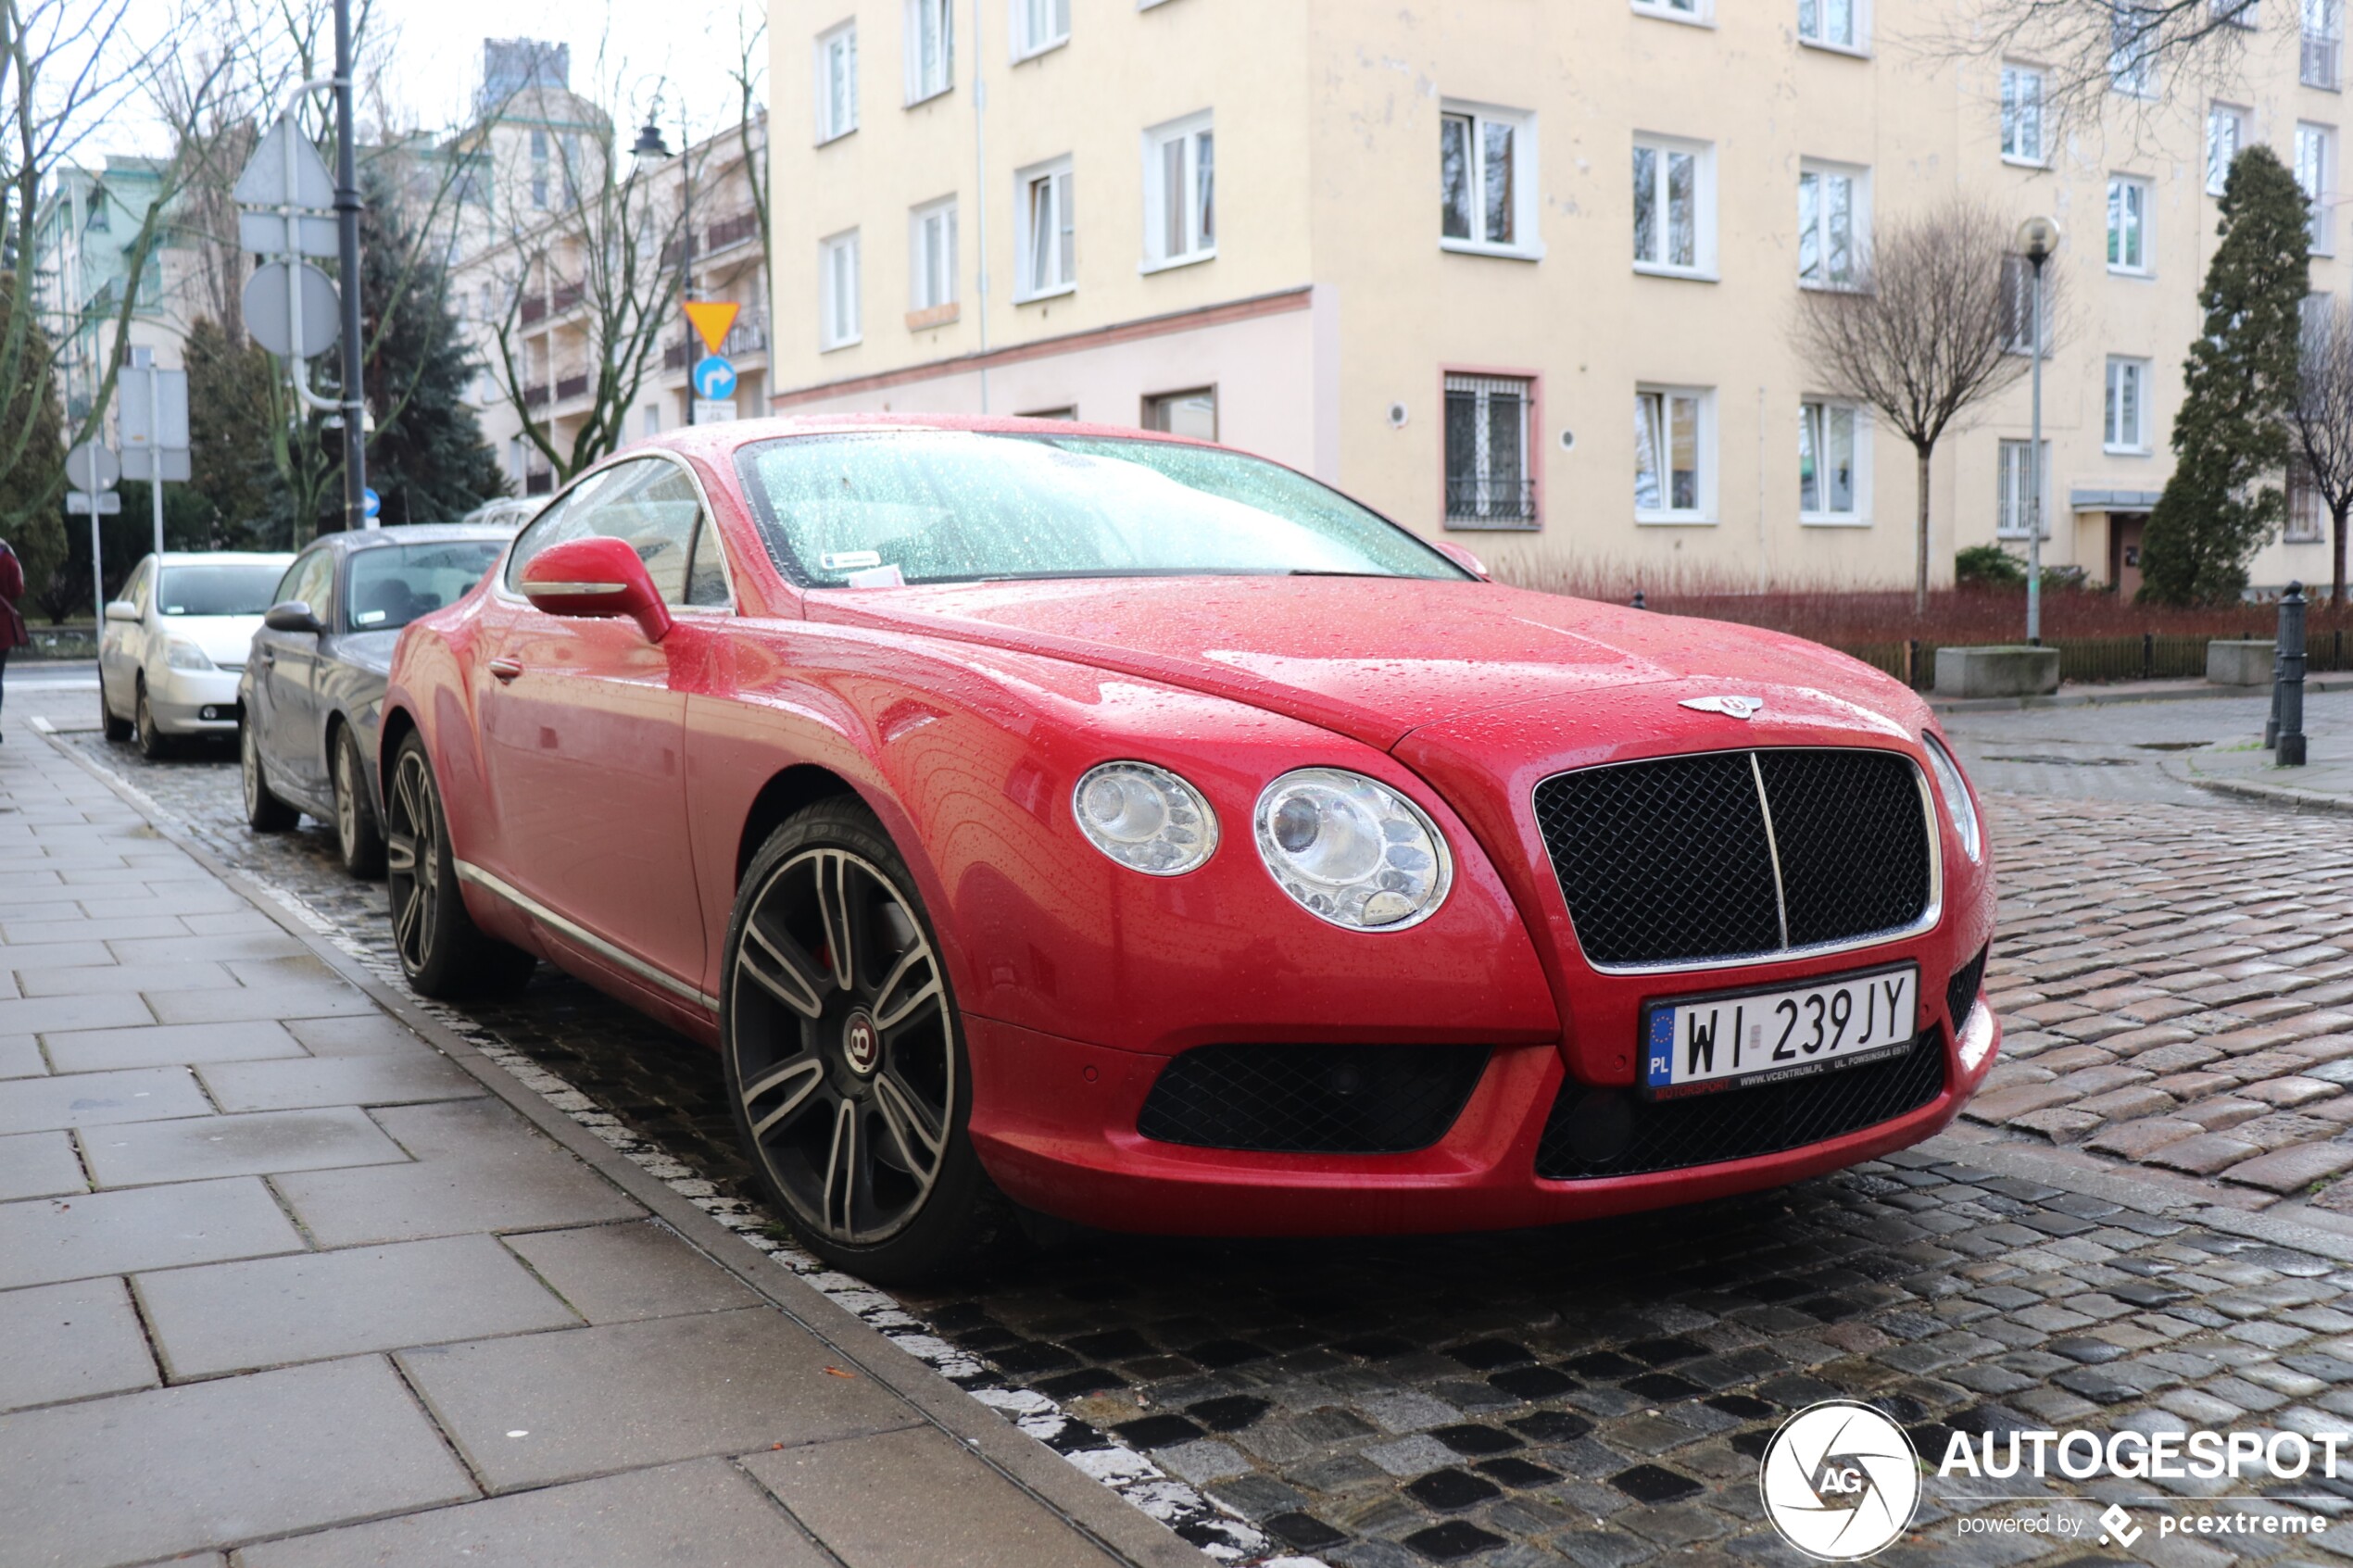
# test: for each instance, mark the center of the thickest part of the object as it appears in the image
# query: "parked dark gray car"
(314, 682)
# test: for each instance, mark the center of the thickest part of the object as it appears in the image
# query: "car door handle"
(265, 659)
(505, 668)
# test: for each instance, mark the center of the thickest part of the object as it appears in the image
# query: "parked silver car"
(175, 642)
(314, 684)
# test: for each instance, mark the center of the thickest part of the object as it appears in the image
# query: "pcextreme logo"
(1840, 1481)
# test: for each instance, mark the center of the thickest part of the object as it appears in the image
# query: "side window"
(313, 582)
(135, 590)
(707, 570)
(285, 588)
(564, 519)
(652, 505)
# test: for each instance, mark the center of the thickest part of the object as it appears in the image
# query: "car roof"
(225, 558)
(417, 534)
(714, 442)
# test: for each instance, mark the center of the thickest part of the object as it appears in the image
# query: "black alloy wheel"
(264, 811)
(443, 953)
(845, 1055)
(358, 838)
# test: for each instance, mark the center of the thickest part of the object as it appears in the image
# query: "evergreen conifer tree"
(2230, 438)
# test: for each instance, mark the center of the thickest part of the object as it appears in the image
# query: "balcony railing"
(733, 231)
(748, 335)
(1491, 503)
(539, 483)
(568, 387)
(535, 395)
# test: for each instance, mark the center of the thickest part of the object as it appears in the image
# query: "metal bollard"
(2289, 690)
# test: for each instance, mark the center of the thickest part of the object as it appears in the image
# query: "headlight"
(1352, 850)
(1146, 818)
(182, 653)
(1950, 785)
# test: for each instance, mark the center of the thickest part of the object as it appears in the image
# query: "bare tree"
(2321, 422)
(2093, 51)
(1928, 329)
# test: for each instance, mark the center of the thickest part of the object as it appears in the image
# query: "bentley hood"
(1375, 659)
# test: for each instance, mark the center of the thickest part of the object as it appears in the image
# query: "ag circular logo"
(860, 1043)
(1840, 1481)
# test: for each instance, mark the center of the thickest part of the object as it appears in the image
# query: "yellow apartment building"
(1518, 272)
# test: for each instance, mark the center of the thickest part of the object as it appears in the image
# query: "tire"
(154, 745)
(116, 730)
(849, 1083)
(360, 839)
(264, 811)
(443, 953)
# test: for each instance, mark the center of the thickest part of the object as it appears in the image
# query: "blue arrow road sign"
(370, 502)
(714, 377)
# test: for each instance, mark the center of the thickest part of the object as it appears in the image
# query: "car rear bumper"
(1054, 1122)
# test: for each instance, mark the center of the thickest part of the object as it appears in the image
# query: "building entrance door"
(2124, 531)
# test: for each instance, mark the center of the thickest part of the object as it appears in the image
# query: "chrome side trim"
(1772, 847)
(468, 872)
(1931, 916)
(530, 590)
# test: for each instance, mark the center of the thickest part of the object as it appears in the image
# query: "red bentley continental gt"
(1053, 815)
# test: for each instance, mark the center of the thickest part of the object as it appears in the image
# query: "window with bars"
(1489, 433)
(1049, 233)
(1180, 192)
(2014, 475)
(2323, 42)
(2307, 512)
(1674, 205)
(931, 48)
(1672, 456)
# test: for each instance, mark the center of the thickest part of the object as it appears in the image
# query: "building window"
(2018, 307)
(1068, 411)
(1833, 225)
(1833, 24)
(1040, 25)
(2022, 113)
(931, 48)
(2238, 13)
(1674, 477)
(2011, 507)
(2128, 222)
(839, 326)
(931, 263)
(1488, 425)
(650, 420)
(1487, 181)
(837, 82)
(1048, 236)
(1180, 192)
(1192, 413)
(2315, 169)
(2307, 514)
(538, 167)
(1674, 206)
(2125, 426)
(2225, 134)
(1675, 10)
(1832, 438)
(2323, 42)
(2132, 31)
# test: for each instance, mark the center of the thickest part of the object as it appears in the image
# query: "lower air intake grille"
(1312, 1099)
(1960, 992)
(1614, 1133)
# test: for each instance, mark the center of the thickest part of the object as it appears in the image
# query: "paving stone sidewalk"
(278, 1278)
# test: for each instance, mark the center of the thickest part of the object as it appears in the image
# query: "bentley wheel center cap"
(861, 1043)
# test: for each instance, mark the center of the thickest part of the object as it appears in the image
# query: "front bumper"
(181, 698)
(1055, 1122)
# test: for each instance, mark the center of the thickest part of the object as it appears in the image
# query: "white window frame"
(922, 86)
(1859, 15)
(1809, 412)
(1189, 138)
(1691, 13)
(1526, 244)
(836, 119)
(2016, 116)
(842, 321)
(2320, 44)
(2131, 68)
(2123, 369)
(2318, 143)
(2120, 204)
(1028, 284)
(1663, 149)
(2238, 13)
(1028, 39)
(2009, 489)
(2219, 114)
(1702, 513)
(1859, 237)
(922, 221)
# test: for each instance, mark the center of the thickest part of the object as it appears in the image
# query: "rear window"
(217, 590)
(393, 584)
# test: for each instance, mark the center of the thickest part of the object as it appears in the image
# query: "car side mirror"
(292, 615)
(1463, 558)
(598, 579)
(122, 609)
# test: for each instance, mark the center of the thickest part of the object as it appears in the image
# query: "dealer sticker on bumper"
(1730, 1040)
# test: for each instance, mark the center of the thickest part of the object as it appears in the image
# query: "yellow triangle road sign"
(711, 319)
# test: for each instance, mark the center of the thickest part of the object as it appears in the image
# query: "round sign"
(92, 466)
(370, 502)
(714, 378)
(1840, 1481)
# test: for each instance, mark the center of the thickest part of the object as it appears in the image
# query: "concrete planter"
(2015, 671)
(2236, 663)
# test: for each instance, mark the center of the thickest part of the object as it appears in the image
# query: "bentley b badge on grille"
(1730, 706)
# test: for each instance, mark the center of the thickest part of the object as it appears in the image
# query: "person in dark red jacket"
(12, 632)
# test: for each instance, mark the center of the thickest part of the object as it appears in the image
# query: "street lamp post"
(651, 149)
(2037, 238)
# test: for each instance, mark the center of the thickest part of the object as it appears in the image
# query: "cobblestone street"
(2136, 1227)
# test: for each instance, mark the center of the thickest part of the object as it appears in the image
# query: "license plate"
(1728, 1040)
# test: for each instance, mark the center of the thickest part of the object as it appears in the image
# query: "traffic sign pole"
(155, 423)
(355, 405)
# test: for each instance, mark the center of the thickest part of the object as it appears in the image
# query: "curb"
(2250, 789)
(1104, 1517)
(2097, 698)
